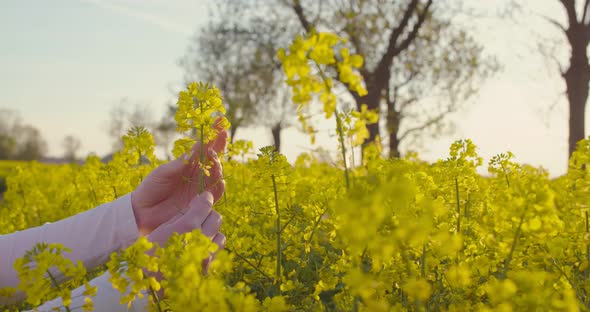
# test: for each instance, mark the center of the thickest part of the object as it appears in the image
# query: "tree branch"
(391, 101)
(393, 48)
(301, 15)
(570, 8)
(412, 35)
(554, 23)
(397, 32)
(427, 124)
(411, 77)
(584, 15)
(350, 29)
(406, 103)
(387, 57)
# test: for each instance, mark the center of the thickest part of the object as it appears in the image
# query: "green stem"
(156, 299)
(279, 251)
(94, 197)
(338, 128)
(202, 158)
(514, 243)
(316, 223)
(458, 206)
(255, 267)
(54, 281)
(342, 147)
(587, 270)
(423, 261)
(352, 162)
(506, 176)
(356, 303)
(579, 294)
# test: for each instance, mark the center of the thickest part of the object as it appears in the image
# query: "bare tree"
(126, 115)
(116, 126)
(71, 146)
(31, 145)
(19, 141)
(165, 131)
(577, 75)
(9, 121)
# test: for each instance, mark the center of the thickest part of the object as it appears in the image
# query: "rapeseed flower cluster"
(307, 65)
(197, 110)
(130, 271)
(44, 273)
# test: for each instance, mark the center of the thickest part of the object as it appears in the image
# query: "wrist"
(124, 231)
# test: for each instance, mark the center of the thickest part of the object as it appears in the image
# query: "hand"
(200, 215)
(168, 189)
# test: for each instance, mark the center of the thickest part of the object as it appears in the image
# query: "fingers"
(219, 239)
(215, 182)
(172, 168)
(199, 209)
(218, 145)
(220, 141)
(212, 224)
(217, 123)
(196, 152)
(175, 167)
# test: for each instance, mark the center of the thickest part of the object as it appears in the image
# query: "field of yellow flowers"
(385, 235)
(406, 235)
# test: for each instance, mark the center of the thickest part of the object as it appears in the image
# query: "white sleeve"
(91, 235)
(106, 300)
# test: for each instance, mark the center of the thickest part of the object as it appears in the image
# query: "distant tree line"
(19, 141)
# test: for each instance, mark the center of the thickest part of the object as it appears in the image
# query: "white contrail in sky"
(159, 21)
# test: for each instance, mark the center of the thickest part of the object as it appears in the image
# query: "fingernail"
(208, 196)
(189, 155)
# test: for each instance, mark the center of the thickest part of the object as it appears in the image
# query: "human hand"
(200, 215)
(169, 189)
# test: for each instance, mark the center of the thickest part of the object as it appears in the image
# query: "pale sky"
(65, 63)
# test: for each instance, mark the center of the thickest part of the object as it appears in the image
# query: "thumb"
(172, 168)
(199, 208)
(220, 141)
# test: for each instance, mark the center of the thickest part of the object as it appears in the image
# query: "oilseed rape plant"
(307, 66)
(400, 235)
(199, 107)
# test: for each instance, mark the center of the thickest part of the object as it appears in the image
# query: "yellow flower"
(418, 289)
(458, 276)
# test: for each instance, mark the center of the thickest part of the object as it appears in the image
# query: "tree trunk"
(393, 130)
(372, 99)
(577, 93)
(577, 80)
(232, 133)
(276, 135)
